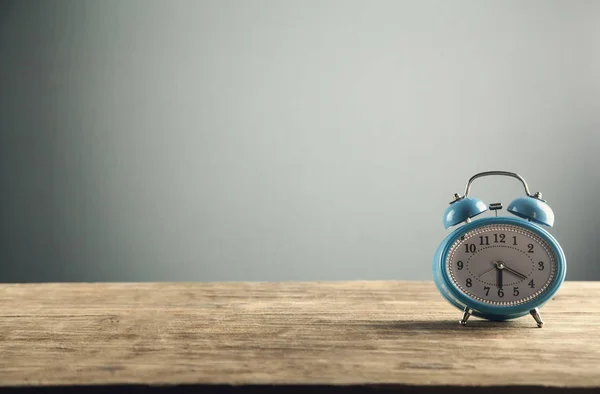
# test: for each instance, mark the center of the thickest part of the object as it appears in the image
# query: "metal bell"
(532, 208)
(461, 209)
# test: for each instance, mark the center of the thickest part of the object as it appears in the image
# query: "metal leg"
(536, 315)
(465, 316)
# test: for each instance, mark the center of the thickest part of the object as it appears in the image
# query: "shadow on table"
(447, 325)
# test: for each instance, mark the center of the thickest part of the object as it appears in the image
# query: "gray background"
(285, 140)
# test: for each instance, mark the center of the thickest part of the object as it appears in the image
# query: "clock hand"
(499, 278)
(512, 271)
(490, 270)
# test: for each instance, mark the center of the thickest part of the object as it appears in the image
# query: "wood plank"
(336, 333)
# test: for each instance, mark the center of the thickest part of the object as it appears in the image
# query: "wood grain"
(337, 333)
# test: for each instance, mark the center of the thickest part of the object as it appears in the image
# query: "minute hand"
(512, 271)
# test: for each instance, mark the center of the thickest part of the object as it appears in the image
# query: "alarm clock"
(499, 267)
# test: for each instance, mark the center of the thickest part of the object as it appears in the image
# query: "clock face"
(501, 264)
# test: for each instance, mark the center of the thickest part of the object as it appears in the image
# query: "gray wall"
(285, 140)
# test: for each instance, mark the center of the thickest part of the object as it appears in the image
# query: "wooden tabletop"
(388, 335)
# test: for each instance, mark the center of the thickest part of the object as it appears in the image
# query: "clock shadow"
(399, 327)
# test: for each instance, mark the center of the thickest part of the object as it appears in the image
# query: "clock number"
(469, 283)
(530, 246)
(515, 291)
(487, 290)
(531, 284)
(514, 240)
(499, 238)
(500, 293)
(484, 240)
(460, 265)
(470, 248)
(541, 266)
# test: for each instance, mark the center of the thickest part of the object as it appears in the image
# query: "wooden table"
(379, 337)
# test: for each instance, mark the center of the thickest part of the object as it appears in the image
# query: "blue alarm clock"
(499, 268)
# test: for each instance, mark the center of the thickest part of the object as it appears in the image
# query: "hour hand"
(516, 273)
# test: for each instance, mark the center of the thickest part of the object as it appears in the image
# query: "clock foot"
(465, 316)
(536, 315)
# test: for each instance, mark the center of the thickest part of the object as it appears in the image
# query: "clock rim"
(490, 311)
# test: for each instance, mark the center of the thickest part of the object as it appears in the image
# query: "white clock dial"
(501, 264)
